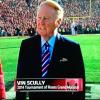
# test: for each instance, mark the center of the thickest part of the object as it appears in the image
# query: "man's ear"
(58, 22)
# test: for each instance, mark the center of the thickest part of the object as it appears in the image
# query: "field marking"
(9, 47)
(9, 72)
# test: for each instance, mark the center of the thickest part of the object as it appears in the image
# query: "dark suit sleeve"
(79, 61)
(20, 71)
(80, 70)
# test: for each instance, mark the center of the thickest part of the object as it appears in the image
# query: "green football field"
(90, 46)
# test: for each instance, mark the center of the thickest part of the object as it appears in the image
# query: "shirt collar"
(51, 41)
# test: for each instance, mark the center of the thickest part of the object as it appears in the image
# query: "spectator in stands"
(74, 28)
(31, 31)
(1, 31)
(29, 3)
(18, 32)
(63, 58)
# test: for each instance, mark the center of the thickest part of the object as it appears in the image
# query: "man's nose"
(42, 20)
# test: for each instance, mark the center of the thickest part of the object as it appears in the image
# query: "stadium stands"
(16, 13)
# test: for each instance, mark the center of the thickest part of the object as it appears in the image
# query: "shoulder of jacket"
(66, 40)
(34, 38)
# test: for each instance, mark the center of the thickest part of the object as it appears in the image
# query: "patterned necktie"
(45, 60)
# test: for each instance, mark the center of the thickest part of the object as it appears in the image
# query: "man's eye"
(46, 18)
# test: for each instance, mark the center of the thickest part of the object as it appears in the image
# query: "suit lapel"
(55, 57)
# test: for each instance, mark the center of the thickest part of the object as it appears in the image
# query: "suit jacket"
(29, 65)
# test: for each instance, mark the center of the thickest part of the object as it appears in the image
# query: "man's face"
(46, 21)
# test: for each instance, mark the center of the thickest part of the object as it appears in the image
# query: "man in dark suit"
(65, 58)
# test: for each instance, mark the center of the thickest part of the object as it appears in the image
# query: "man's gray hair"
(55, 6)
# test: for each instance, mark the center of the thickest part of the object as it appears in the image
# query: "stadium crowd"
(17, 17)
(85, 13)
